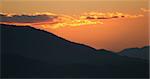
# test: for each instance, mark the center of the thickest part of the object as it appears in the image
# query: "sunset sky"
(102, 24)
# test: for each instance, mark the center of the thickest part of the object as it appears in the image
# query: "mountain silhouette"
(142, 53)
(27, 52)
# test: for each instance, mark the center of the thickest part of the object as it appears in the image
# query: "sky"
(102, 24)
(72, 6)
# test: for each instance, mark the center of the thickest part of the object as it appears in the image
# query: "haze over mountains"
(27, 52)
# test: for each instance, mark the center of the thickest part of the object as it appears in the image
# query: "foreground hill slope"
(27, 52)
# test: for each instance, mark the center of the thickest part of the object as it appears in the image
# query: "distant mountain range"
(27, 52)
(142, 53)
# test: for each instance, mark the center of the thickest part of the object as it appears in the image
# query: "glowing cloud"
(68, 21)
(145, 10)
(72, 23)
(55, 21)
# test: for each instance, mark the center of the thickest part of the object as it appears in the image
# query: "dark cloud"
(26, 18)
(109, 15)
(89, 17)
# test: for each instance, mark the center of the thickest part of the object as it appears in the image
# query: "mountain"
(27, 52)
(40, 44)
(142, 53)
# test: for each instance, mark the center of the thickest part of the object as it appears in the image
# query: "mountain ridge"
(61, 56)
(142, 53)
(27, 26)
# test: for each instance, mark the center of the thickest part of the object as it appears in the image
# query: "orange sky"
(114, 34)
